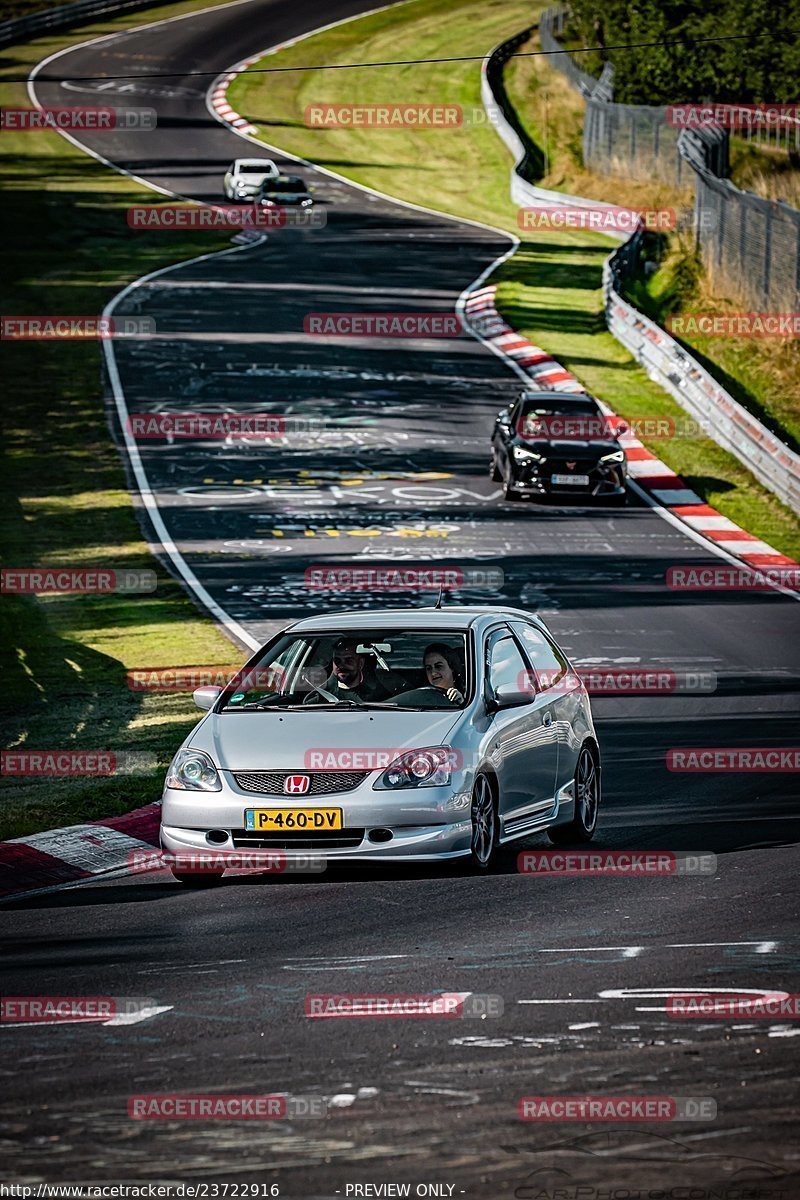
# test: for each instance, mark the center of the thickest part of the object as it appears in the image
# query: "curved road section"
(391, 469)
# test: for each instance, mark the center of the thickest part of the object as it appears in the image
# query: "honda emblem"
(296, 785)
(572, 466)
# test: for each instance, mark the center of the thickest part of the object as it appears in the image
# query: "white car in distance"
(245, 176)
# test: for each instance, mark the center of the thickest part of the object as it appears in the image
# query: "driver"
(355, 676)
(444, 672)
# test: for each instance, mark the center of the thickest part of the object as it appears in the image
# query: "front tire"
(587, 802)
(509, 491)
(494, 470)
(485, 826)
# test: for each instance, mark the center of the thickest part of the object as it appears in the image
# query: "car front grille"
(343, 839)
(558, 466)
(323, 783)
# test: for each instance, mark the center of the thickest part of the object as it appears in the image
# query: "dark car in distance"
(556, 444)
(280, 190)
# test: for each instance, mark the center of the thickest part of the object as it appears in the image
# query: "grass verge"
(550, 289)
(64, 658)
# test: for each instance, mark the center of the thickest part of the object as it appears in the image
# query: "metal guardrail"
(20, 29)
(667, 363)
(725, 420)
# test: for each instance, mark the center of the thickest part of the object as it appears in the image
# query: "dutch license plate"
(280, 819)
(578, 480)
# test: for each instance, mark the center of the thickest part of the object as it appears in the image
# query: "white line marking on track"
(143, 1015)
(629, 951)
(148, 497)
(224, 962)
(760, 947)
(568, 1000)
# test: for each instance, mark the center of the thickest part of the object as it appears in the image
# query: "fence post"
(767, 255)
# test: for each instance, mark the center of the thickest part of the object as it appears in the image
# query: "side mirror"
(509, 696)
(206, 697)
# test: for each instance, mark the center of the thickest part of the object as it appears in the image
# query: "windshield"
(549, 417)
(285, 185)
(392, 669)
(254, 168)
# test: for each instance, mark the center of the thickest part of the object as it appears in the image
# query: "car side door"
(523, 747)
(560, 689)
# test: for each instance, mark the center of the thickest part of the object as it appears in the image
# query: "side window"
(506, 664)
(550, 664)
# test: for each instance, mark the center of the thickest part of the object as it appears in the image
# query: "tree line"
(761, 65)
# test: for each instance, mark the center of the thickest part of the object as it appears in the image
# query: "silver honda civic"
(399, 735)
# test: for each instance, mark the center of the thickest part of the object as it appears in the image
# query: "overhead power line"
(399, 62)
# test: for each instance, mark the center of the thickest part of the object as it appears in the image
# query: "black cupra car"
(557, 444)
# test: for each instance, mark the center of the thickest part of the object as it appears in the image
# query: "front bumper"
(604, 483)
(425, 823)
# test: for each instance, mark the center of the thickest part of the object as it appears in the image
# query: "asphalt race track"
(581, 963)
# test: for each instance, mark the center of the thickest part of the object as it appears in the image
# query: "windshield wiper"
(265, 702)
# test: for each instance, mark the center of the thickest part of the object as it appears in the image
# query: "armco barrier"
(20, 29)
(665, 360)
(726, 421)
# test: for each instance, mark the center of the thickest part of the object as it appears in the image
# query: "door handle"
(547, 719)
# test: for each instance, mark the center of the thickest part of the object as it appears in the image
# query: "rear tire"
(494, 470)
(485, 826)
(198, 879)
(587, 802)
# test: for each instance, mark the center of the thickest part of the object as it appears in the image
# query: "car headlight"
(616, 456)
(430, 767)
(305, 203)
(523, 455)
(268, 203)
(193, 771)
